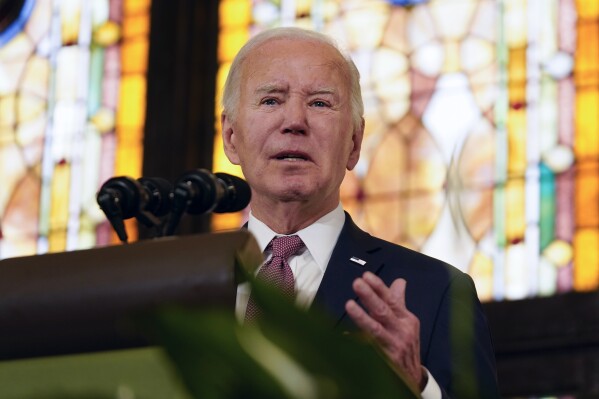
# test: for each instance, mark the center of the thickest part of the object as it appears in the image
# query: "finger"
(374, 304)
(377, 285)
(365, 322)
(393, 296)
(397, 296)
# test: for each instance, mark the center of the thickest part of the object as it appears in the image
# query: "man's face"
(292, 133)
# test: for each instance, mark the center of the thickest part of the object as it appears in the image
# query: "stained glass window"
(72, 103)
(482, 130)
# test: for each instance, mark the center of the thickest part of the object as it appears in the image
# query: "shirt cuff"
(431, 389)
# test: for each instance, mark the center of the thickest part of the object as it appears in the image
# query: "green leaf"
(288, 353)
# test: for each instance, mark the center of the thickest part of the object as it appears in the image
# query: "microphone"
(200, 191)
(236, 196)
(159, 193)
(123, 197)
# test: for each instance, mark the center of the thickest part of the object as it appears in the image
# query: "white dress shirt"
(308, 267)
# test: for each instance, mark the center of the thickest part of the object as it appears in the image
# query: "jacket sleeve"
(460, 354)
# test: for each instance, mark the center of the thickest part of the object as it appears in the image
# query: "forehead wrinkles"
(274, 52)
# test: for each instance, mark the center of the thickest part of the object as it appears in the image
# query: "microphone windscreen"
(159, 190)
(237, 193)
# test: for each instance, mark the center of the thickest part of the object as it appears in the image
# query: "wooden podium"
(82, 301)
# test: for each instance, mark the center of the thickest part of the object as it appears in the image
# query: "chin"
(295, 192)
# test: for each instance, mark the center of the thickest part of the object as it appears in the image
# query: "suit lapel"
(336, 286)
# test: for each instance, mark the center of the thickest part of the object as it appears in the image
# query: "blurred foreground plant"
(288, 353)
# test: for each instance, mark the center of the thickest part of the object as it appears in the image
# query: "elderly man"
(292, 119)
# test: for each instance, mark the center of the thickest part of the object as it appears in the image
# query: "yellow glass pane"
(587, 123)
(226, 221)
(6, 137)
(129, 156)
(134, 55)
(303, 7)
(103, 120)
(30, 107)
(517, 133)
(136, 6)
(586, 67)
(481, 271)
(136, 26)
(235, 14)
(587, 194)
(132, 107)
(452, 57)
(587, 8)
(586, 259)
(517, 76)
(389, 169)
(35, 81)
(231, 40)
(70, 20)
(423, 212)
(107, 34)
(515, 223)
(380, 210)
(7, 112)
(221, 77)
(559, 253)
(59, 206)
(31, 133)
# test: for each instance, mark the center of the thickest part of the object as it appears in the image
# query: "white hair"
(233, 83)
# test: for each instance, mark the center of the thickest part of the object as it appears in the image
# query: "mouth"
(292, 156)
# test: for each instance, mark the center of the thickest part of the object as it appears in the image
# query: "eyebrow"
(274, 88)
(270, 88)
(324, 90)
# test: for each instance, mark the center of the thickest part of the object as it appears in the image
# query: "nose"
(295, 118)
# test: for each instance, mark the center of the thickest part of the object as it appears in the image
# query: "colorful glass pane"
(62, 68)
(481, 144)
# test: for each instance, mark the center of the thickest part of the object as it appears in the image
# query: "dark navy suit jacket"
(455, 343)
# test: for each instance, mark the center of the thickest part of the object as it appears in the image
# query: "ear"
(229, 139)
(354, 154)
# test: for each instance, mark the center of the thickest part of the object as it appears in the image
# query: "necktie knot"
(277, 270)
(286, 246)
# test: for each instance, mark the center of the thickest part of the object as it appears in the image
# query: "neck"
(290, 217)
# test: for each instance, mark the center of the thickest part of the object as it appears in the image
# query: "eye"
(269, 101)
(319, 103)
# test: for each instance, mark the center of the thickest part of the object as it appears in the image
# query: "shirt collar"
(320, 237)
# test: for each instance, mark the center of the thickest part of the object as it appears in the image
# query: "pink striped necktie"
(277, 271)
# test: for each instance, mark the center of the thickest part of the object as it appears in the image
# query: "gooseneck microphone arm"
(200, 191)
(155, 203)
(145, 199)
(120, 198)
(109, 201)
(195, 192)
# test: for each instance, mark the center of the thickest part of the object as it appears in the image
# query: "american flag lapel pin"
(357, 260)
